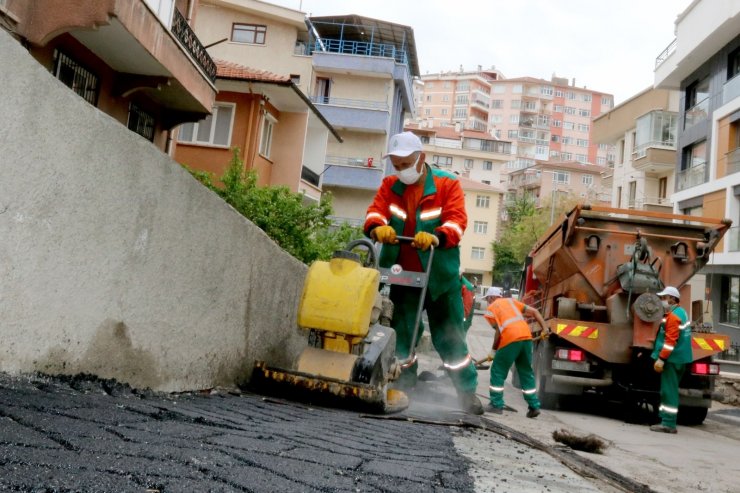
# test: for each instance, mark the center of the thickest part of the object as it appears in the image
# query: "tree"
(303, 230)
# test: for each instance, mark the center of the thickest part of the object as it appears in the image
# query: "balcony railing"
(647, 201)
(734, 239)
(733, 161)
(192, 44)
(697, 113)
(360, 162)
(641, 150)
(665, 53)
(691, 177)
(362, 48)
(731, 89)
(352, 103)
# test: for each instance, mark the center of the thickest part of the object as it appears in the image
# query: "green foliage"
(303, 230)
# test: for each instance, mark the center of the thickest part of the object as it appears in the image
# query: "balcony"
(354, 114)
(496, 146)
(665, 54)
(154, 52)
(691, 177)
(733, 161)
(697, 113)
(655, 204)
(654, 157)
(731, 89)
(352, 172)
(481, 105)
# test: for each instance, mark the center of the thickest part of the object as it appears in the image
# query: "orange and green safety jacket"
(673, 342)
(508, 315)
(438, 207)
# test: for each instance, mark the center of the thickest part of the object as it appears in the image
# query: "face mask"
(666, 305)
(409, 176)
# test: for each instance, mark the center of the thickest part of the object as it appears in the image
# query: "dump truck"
(594, 276)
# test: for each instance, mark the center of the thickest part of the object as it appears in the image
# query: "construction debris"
(589, 443)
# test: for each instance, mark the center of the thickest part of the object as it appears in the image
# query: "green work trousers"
(672, 373)
(520, 354)
(446, 327)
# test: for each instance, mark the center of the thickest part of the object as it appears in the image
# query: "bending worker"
(428, 205)
(513, 344)
(671, 353)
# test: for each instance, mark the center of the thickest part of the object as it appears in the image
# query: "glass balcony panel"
(696, 113)
(691, 177)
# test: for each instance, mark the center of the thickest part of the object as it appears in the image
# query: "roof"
(241, 73)
(234, 71)
(476, 186)
(445, 132)
(354, 27)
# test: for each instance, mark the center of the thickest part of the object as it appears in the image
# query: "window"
(546, 90)
(445, 112)
(516, 89)
(76, 77)
(582, 142)
(568, 125)
(248, 33)
(208, 132)
(497, 104)
(482, 201)
(468, 164)
(500, 89)
(733, 64)
(570, 110)
(461, 113)
(603, 147)
(662, 187)
(561, 177)
(606, 101)
(268, 126)
(555, 138)
(566, 156)
(558, 93)
(619, 197)
(581, 158)
(695, 155)
(429, 99)
(463, 85)
(582, 127)
(586, 97)
(442, 161)
(445, 98)
(555, 154)
(567, 140)
(516, 104)
(632, 193)
(583, 112)
(513, 134)
(730, 300)
(487, 165)
(514, 118)
(487, 182)
(557, 123)
(141, 122)
(601, 161)
(427, 111)
(697, 92)
(480, 227)
(570, 95)
(558, 108)
(461, 99)
(497, 118)
(446, 85)
(323, 90)
(478, 253)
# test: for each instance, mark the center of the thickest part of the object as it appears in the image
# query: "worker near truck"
(428, 205)
(512, 344)
(672, 352)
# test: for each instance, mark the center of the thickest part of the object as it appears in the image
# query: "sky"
(608, 46)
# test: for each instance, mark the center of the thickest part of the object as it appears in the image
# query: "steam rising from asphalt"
(433, 397)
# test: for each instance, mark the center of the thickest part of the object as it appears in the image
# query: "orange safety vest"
(507, 314)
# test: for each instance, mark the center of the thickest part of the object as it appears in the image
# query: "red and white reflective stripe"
(671, 410)
(460, 364)
(529, 391)
(378, 215)
(455, 226)
(495, 389)
(398, 212)
(410, 363)
(430, 214)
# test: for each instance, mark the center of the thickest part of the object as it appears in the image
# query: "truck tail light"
(703, 368)
(570, 354)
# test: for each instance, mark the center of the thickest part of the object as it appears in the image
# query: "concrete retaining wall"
(115, 262)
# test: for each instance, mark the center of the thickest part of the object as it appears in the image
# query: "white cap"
(670, 291)
(493, 291)
(403, 144)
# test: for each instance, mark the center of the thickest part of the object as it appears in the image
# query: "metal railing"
(360, 162)
(732, 353)
(666, 53)
(697, 113)
(691, 177)
(187, 38)
(362, 48)
(351, 103)
(733, 161)
(645, 201)
(641, 150)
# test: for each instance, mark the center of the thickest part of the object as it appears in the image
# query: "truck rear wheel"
(691, 415)
(543, 355)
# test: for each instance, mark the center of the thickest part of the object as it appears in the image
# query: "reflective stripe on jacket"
(673, 342)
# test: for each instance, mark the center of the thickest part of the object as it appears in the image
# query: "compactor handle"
(373, 256)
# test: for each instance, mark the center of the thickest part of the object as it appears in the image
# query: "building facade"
(136, 60)
(703, 64)
(642, 130)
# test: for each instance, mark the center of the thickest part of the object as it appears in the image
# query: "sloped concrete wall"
(116, 262)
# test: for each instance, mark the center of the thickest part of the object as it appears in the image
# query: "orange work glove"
(424, 240)
(658, 365)
(384, 234)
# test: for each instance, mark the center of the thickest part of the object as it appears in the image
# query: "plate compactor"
(350, 359)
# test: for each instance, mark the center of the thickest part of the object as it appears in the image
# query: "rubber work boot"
(494, 410)
(470, 403)
(533, 413)
(664, 429)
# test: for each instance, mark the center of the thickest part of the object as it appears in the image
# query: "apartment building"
(362, 83)
(469, 153)
(642, 130)
(262, 108)
(543, 119)
(136, 60)
(483, 206)
(703, 64)
(550, 182)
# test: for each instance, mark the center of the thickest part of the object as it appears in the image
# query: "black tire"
(543, 356)
(691, 415)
